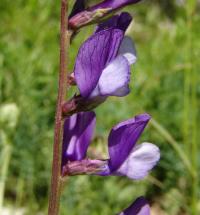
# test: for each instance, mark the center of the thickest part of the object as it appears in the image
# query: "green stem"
(186, 124)
(6, 154)
(191, 5)
(194, 144)
(19, 191)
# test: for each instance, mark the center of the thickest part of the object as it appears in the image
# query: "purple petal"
(139, 207)
(127, 48)
(93, 56)
(114, 79)
(123, 138)
(78, 131)
(113, 4)
(121, 22)
(140, 161)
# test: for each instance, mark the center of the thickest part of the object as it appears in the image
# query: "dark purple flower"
(82, 14)
(139, 207)
(125, 157)
(78, 130)
(113, 4)
(102, 66)
(121, 22)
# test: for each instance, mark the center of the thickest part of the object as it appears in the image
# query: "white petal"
(96, 92)
(115, 78)
(144, 211)
(141, 160)
(127, 49)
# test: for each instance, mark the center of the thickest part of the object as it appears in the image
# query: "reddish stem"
(56, 181)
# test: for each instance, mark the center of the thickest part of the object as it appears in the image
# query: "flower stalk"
(56, 181)
(83, 167)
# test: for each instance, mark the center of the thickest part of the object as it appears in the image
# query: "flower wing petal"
(127, 48)
(140, 161)
(115, 78)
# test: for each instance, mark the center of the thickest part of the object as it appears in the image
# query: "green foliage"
(163, 82)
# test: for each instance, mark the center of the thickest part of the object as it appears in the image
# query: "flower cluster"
(125, 157)
(103, 69)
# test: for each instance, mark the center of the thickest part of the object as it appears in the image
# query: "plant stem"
(193, 152)
(56, 181)
(6, 154)
(186, 122)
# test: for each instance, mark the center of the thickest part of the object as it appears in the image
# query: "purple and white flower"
(139, 207)
(78, 131)
(103, 63)
(125, 157)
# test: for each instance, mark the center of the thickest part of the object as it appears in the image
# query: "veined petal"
(93, 56)
(123, 138)
(127, 48)
(113, 4)
(115, 78)
(78, 131)
(139, 207)
(121, 22)
(140, 161)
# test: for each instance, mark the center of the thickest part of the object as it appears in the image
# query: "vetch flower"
(103, 63)
(139, 207)
(78, 130)
(113, 4)
(125, 157)
(83, 14)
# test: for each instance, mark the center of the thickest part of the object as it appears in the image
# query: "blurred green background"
(165, 83)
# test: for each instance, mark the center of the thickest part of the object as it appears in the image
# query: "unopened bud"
(87, 17)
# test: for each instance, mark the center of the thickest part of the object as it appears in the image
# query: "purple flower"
(139, 207)
(78, 130)
(103, 63)
(102, 66)
(126, 158)
(82, 14)
(121, 22)
(113, 4)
